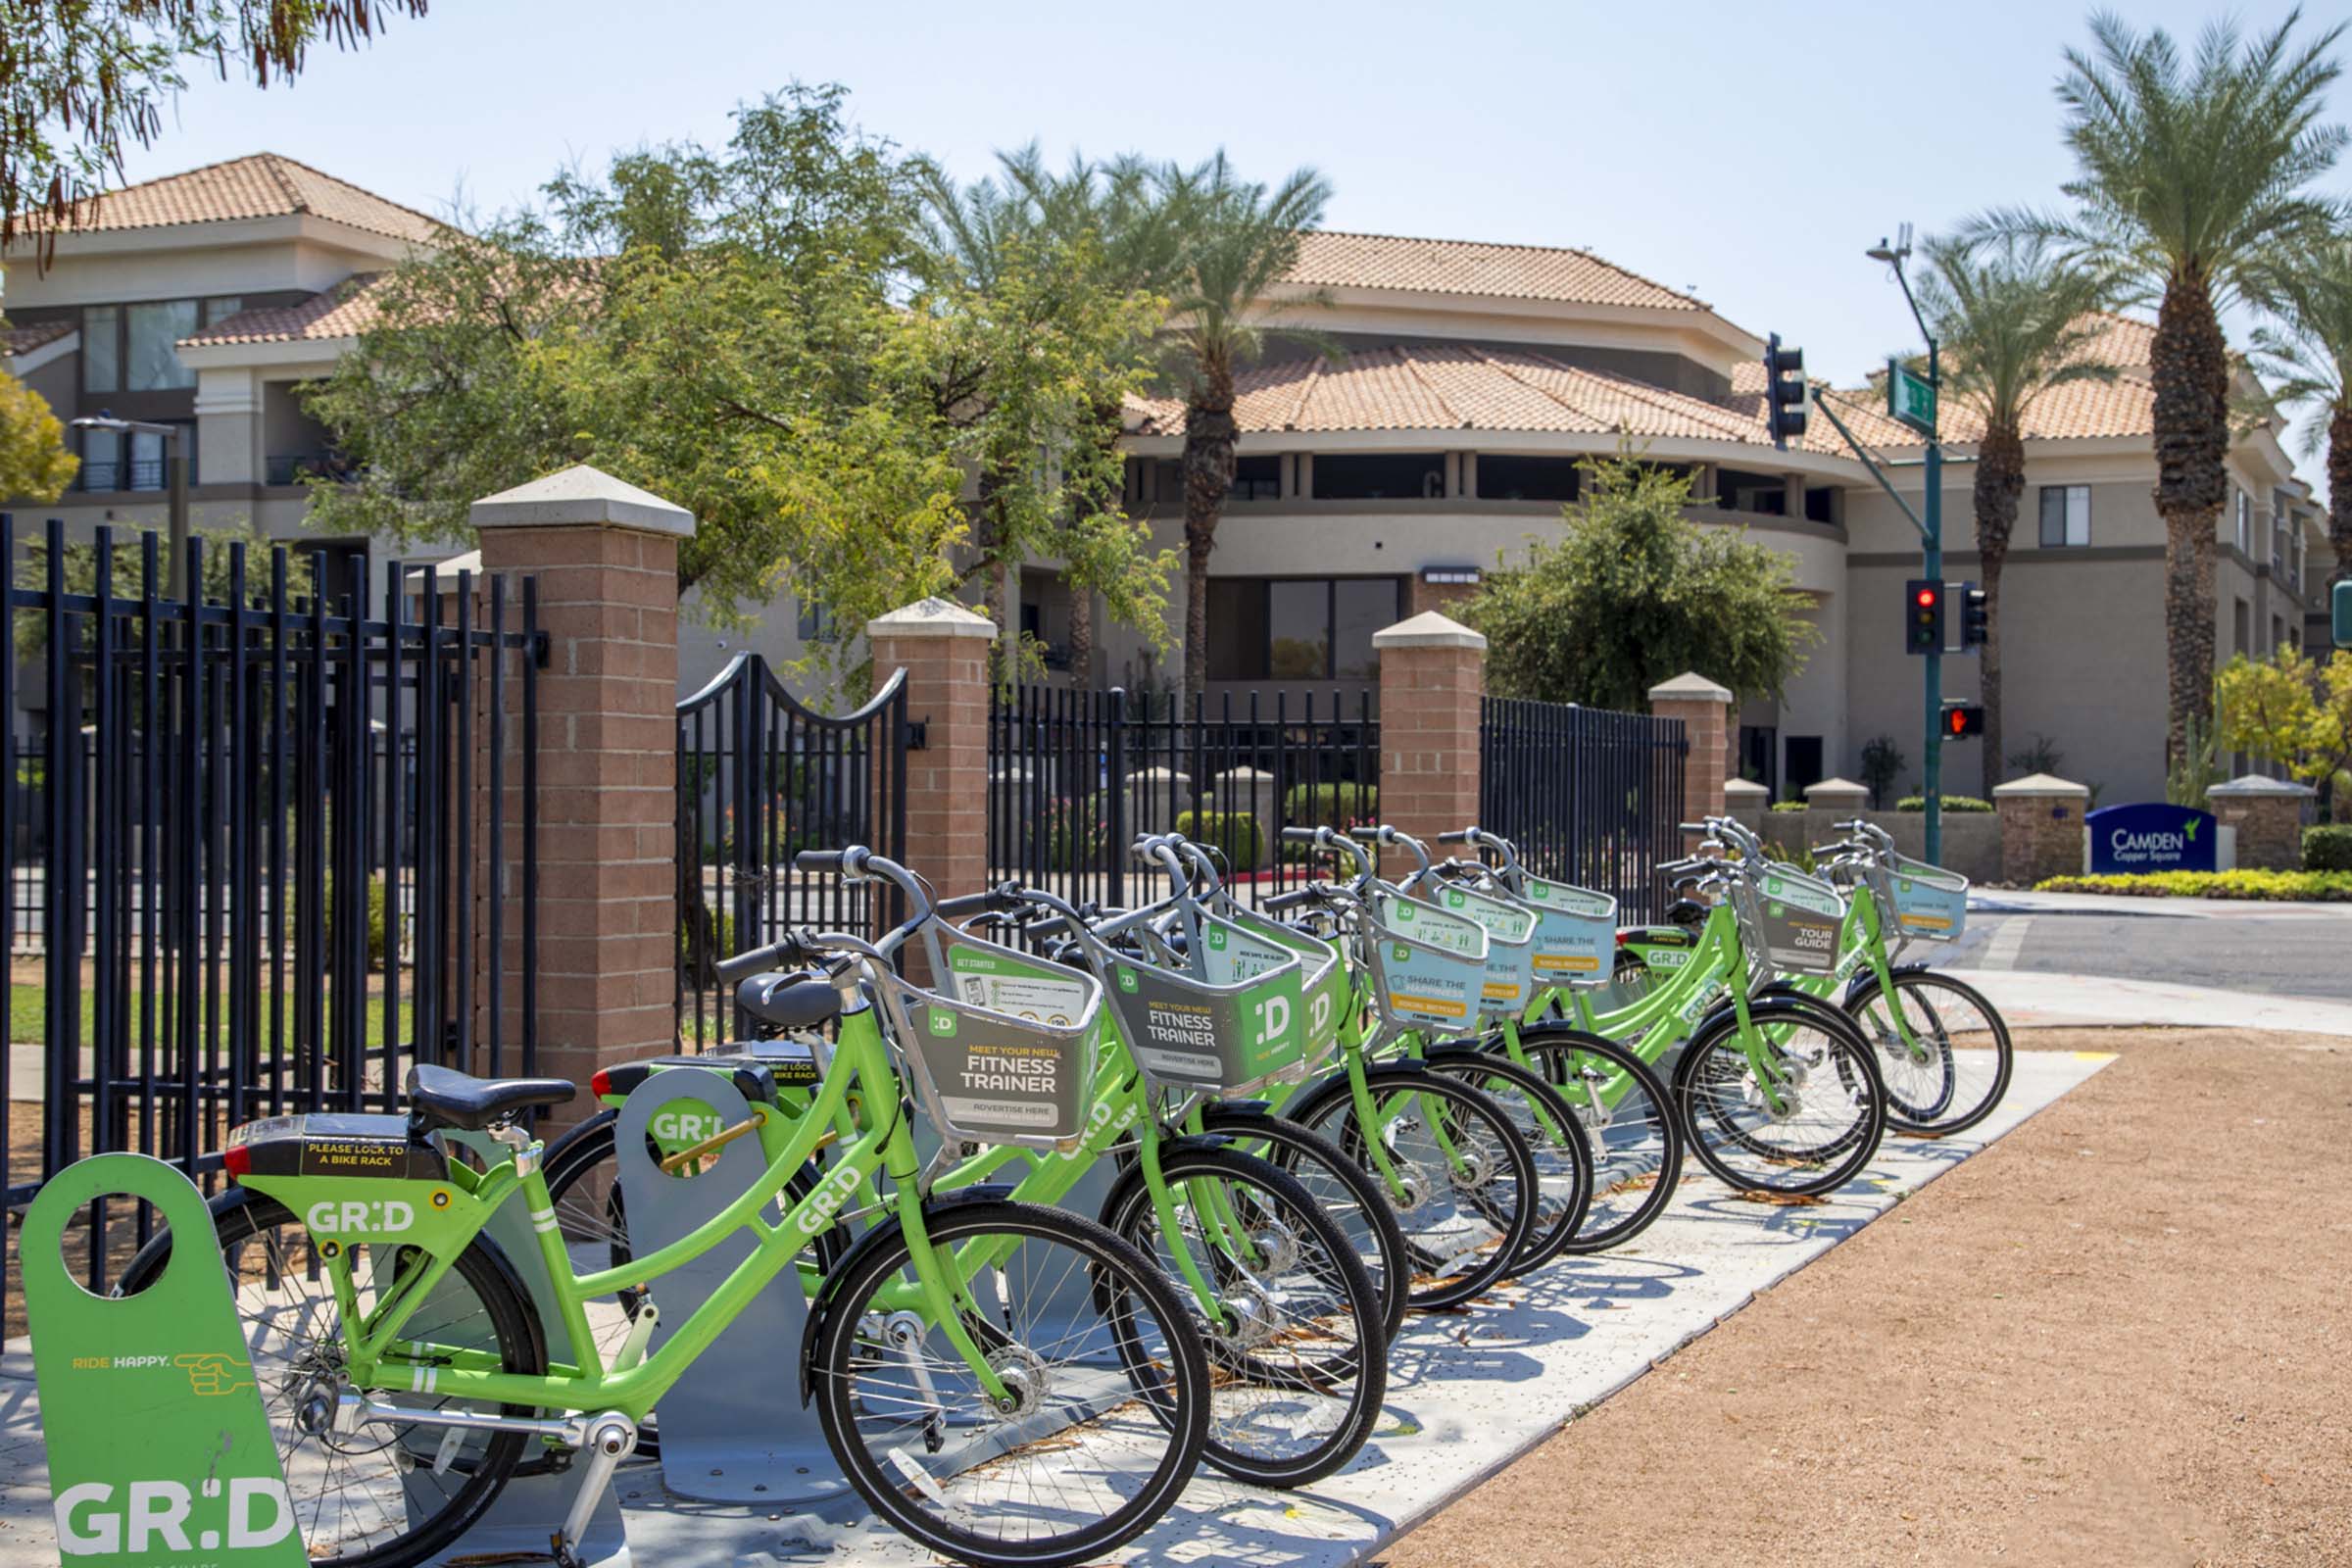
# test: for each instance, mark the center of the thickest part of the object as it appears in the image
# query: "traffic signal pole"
(1931, 557)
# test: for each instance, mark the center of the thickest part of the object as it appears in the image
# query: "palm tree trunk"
(1082, 634)
(2190, 365)
(1209, 432)
(1999, 481)
(2339, 489)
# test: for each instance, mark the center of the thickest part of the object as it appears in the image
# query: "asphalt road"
(2304, 954)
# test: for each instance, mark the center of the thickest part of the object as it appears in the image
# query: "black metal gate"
(761, 777)
(248, 835)
(1074, 777)
(1589, 796)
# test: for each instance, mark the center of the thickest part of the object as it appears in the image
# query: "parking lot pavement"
(2259, 948)
(2119, 1337)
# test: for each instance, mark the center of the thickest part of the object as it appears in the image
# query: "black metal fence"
(1074, 777)
(762, 777)
(273, 842)
(1589, 796)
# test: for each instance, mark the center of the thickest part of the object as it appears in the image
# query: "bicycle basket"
(1322, 983)
(1429, 965)
(1239, 1021)
(1509, 982)
(1798, 918)
(1007, 1054)
(1576, 932)
(1930, 901)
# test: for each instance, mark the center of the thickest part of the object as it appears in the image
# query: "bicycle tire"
(1556, 1051)
(1713, 1084)
(1565, 1151)
(1917, 982)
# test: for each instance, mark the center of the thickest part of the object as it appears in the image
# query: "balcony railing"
(111, 473)
(295, 467)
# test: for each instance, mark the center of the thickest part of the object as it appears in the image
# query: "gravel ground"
(2123, 1336)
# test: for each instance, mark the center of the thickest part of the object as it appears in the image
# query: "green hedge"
(1787, 806)
(377, 914)
(1234, 834)
(1331, 805)
(2277, 887)
(2327, 847)
(1953, 804)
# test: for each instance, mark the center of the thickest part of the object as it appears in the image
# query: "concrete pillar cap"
(1744, 789)
(581, 496)
(1689, 687)
(2254, 784)
(1429, 629)
(932, 617)
(2035, 784)
(1835, 786)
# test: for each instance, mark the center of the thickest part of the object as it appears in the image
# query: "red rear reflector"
(237, 1162)
(601, 1085)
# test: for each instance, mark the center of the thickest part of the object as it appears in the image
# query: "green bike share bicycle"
(1774, 1092)
(974, 1399)
(1943, 1047)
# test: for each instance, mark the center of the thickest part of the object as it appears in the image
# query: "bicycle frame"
(379, 1359)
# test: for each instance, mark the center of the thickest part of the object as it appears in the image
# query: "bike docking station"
(733, 1429)
(159, 1452)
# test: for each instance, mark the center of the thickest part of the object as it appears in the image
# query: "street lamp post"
(175, 468)
(1931, 549)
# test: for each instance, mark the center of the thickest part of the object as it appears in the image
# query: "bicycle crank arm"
(353, 1410)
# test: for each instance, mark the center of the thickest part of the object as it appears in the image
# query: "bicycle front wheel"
(1107, 1388)
(1942, 1049)
(1792, 1104)
(1298, 1356)
(1628, 1117)
(1553, 1137)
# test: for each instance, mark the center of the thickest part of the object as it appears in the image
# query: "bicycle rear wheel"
(1553, 1137)
(1298, 1361)
(1954, 1069)
(1630, 1121)
(1108, 1382)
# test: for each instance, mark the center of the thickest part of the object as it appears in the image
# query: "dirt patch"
(2121, 1336)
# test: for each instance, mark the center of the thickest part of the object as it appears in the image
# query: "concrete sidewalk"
(2029, 999)
(2005, 900)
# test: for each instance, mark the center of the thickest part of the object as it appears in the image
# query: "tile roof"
(260, 185)
(2076, 412)
(16, 340)
(347, 310)
(1331, 258)
(1461, 386)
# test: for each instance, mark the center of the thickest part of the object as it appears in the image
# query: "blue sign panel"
(2125, 840)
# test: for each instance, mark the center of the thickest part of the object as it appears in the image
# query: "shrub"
(1331, 805)
(2327, 847)
(1953, 804)
(1882, 764)
(1076, 835)
(1787, 806)
(375, 919)
(1232, 834)
(2300, 887)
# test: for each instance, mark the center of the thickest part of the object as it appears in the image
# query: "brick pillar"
(944, 649)
(2041, 828)
(1431, 681)
(606, 555)
(2267, 814)
(1706, 710)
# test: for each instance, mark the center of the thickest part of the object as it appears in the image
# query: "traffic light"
(1923, 616)
(1974, 617)
(2342, 602)
(1783, 392)
(1963, 719)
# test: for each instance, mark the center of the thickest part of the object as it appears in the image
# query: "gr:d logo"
(155, 1517)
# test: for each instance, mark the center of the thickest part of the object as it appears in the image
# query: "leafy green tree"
(2308, 348)
(1239, 240)
(80, 80)
(34, 464)
(2289, 710)
(2015, 320)
(2191, 175)
(1636, 593)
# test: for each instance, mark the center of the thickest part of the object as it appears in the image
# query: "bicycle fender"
(821, 1310)
(1865, 982)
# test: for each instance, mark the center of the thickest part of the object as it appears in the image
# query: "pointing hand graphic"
(213, 1373)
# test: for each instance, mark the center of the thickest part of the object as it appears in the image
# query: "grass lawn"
(28, 1018)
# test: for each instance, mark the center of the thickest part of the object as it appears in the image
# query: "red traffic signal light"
(1923, 616)
(1927, 596)
(1963, 719)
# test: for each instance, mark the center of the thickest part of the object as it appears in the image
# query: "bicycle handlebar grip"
(744, 966)
(1853, 825)
(1828, 849)
(994, 901)
(1383, 834)
(1301, 835)
(1288, 901)
(1464, 835)
(820, 861)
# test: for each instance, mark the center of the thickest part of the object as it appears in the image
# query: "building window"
(816, 621)
(1298, 628)
(2245, 524)
(102, 349)
(217, 310)
(1380, 476)
(1256, 479)
(1508, 478)
(101, 461)
(1821, 503)
(151, 364)
(2065, 517)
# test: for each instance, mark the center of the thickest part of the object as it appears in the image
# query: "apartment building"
(1374, 483)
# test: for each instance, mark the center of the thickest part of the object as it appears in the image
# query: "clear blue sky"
(1746, 151)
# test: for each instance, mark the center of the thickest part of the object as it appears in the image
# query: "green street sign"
(1910, 399)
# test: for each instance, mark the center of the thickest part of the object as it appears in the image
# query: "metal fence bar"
(1589, 796)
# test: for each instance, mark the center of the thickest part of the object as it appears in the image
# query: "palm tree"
(2189, 175)
(2309, 350)
(1239, 240)
(2015, 320)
